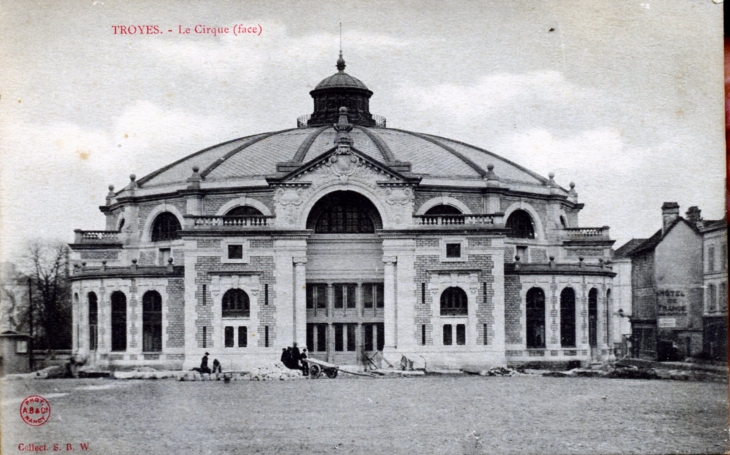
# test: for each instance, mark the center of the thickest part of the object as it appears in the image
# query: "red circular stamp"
(35, 410)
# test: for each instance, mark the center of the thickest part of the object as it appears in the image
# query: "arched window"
(93, 321)
(236, 304)
(151, 322)
(344, 212)
(443, 209)
(593, 317)
(567, 318)
(119, 321)
(454, 302)
(535, 318)
(243, 210)
(165, 227)
(521, 225)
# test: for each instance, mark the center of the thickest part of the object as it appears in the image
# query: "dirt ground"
(456, 415)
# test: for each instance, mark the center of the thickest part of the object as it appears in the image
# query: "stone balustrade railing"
(458, 220)
(587, 233)
(205, 222)
(96, 236)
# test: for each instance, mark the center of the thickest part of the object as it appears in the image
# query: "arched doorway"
(593, 318)
(344, 295)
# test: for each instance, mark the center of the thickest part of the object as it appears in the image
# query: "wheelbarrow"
(317, 367)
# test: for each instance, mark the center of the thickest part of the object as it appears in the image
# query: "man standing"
(204, 364)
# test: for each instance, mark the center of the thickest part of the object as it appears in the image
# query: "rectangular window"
(345, 295)
(460, 334)
(21, 347)
(423, 293)
(205, 294)
(369, 340)
(484, 291)
(447, 335)
(316, 296)
(235, 251)
(453, 250)
(242, 336)
(205, 337)
(372, 295)
(350, 295)
(310, 337)
(381, 335)
(266, 336)
(379, 295)
(351, 340)
(229, 337)
(423, 334)
(486, 338)
(266, 294)
(711, 259)
(321, 337)
(339, 338)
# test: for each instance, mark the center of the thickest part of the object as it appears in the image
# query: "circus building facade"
(350, 238)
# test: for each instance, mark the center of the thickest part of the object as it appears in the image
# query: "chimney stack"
(670, 212)
(693, 214)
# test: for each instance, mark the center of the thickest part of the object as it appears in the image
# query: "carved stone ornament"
(289, 196)
(343, 163)
(398, 196)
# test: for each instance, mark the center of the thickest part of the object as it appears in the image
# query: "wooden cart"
(317, 367)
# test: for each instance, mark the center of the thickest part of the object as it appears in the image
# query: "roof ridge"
(379, 143)
(225, 157)
(466, 160)
(307, 144)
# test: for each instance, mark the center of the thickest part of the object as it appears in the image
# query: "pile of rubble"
(500, 371)
(276, 372)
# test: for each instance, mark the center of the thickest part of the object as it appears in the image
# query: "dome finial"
(340, 63)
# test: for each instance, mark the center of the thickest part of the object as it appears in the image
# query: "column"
(389, 314)
(300, 301)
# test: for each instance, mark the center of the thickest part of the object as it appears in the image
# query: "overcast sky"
(623, 98)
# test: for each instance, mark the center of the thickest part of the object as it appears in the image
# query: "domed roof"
(341, 79)
(257, 156)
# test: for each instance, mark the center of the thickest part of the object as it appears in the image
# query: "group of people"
(292, 358)
(204, 366)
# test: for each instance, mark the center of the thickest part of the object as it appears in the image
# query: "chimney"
(670, 212)
(693, 214)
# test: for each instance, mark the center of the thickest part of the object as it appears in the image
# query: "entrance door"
(593, 322)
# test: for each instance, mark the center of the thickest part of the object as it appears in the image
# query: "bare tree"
(45, 268)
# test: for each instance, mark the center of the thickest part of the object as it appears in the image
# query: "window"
(266, 336)
(535, 318)
(486, 338)
(345, 295)
(317, 337)
(21, 346)
(339, 338)
(372, 295)
(243, 210)
(593, 317)
(423, 293)
(443, 209)
(344, 213)
(119, 321)
(522, 253)
(205, 337)
(447, 335)
(723, 296)
(266, 294)
(236, 304)
(423, 334)
(164, 256)
(93, 321)
(567, 318)
(151, 322)
(242, 336)
(454, 302)
(521, 225)
(228, 335)
(711, 297)
(351, 340)
(316, 296)
(711, 259)
(235, 251)
(121, 224)
(165, 227)
(205, 294)
(453, 250)
(460, 334)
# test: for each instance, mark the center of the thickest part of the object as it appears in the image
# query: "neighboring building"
(14, 352)
(714, 240)
(350, 238)
(621, 308)
(13, 298)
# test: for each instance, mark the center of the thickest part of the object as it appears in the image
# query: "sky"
(623, 98)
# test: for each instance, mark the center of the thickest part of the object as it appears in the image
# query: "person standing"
(204, 364)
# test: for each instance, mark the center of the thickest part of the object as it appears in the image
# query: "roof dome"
(340, 79)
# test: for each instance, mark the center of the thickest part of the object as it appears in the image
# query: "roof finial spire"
(341, 61)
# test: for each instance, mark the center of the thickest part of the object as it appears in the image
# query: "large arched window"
(443, 209)
(243, 210)
(165, 227)
(535, 318)
(151, 322)
(521, 225)
(567, 318)
(236, 304)
(93, 321)
(593, 317)
(454, 302)
(119, 321)
(344, 212)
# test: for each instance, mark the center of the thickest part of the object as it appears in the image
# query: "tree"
(45, 267)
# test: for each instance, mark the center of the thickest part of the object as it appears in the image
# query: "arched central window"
(165, 227)
(93, 320)
(344, 212)
(567, 318)
(236, 304)
(151, 322)
(454, 302)
(443, 209)
(535, 318)
(521, 224)
(119, 321)
(243, 210)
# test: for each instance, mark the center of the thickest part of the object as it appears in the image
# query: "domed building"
(346, 236)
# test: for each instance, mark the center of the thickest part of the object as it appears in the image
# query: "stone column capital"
(299, 260)
(389, 260)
